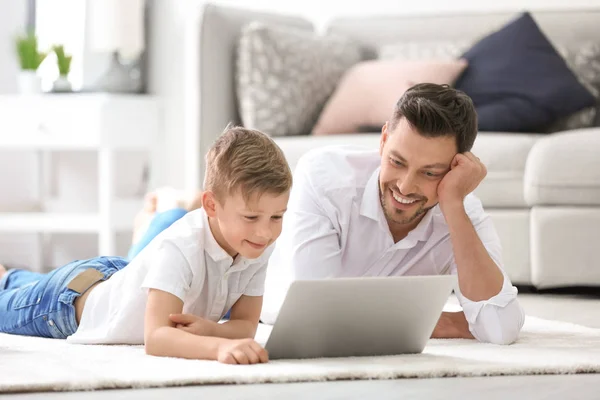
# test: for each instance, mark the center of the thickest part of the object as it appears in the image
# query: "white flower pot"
(29, 82)
(62, 84)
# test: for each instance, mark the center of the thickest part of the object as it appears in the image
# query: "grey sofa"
(542, 190)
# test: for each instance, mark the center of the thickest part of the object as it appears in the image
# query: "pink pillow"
(368, 92)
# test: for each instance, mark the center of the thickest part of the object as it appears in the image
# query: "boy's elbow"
(150, 348)
(153, 343)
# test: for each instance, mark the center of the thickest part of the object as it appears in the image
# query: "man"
(404, 210)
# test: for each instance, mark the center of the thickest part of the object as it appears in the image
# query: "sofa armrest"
(191, 67)
(564, 169)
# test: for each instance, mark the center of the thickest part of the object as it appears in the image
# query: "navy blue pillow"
(518, 82)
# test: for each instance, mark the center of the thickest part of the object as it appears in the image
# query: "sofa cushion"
(369, 91)
(519, 82)
(285, 75)
(504, 155)
(294, 147)
(564, 169)
(584, 61)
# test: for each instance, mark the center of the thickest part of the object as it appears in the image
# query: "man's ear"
(383, 138)
(209, 203)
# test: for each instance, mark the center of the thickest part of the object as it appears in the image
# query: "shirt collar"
(423, 231)
(370, 207)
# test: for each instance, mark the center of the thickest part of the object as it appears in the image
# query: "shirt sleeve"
(169, 270)
(308, 248)
(500, 318)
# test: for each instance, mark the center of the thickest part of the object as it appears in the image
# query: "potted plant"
(63, 61)
(30, 59)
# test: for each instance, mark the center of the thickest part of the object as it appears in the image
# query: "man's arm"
(486, 294)
(452, 325)
(488, 298)
(162, 338)
(496, 315)
(479, 278)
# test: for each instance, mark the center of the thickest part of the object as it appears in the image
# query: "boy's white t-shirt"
(184, 260)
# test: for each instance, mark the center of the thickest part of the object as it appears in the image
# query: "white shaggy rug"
(544, 347)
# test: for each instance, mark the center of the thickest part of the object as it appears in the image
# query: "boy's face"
(247, 228)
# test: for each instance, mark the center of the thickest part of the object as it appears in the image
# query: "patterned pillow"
(584, 61)
(285, 75)
(424, 50)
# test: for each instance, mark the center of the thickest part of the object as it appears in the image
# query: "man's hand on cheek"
(466, 172)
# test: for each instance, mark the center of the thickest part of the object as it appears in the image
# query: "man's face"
(412, 167)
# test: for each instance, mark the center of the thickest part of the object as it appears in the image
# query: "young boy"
(211, 260)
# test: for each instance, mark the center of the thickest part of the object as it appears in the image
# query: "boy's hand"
(242, 351)
(193, 324)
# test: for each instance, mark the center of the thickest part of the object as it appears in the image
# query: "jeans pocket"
(26, 296)
(53, 327)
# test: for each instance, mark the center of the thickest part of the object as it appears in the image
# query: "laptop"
(347, 317)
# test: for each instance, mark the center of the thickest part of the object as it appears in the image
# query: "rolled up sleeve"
(497, 320)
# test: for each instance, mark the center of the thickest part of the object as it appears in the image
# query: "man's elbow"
(504, 327)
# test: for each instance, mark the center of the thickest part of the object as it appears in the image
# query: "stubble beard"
(394, 216)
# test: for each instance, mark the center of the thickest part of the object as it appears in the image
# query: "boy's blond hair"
(247, 160)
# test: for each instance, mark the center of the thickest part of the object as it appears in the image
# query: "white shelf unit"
(105, 124)
(122, 215)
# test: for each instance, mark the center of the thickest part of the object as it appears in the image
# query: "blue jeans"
(35, 304)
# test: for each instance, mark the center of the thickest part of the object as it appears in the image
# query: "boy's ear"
(209, 203)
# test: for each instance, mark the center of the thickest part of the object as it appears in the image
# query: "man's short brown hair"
(438, 110)
(246, 160)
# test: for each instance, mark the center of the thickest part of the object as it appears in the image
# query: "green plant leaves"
(63, 60)
(30, 57)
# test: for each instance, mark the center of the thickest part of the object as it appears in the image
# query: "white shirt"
(335, 227)
(184, 260)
